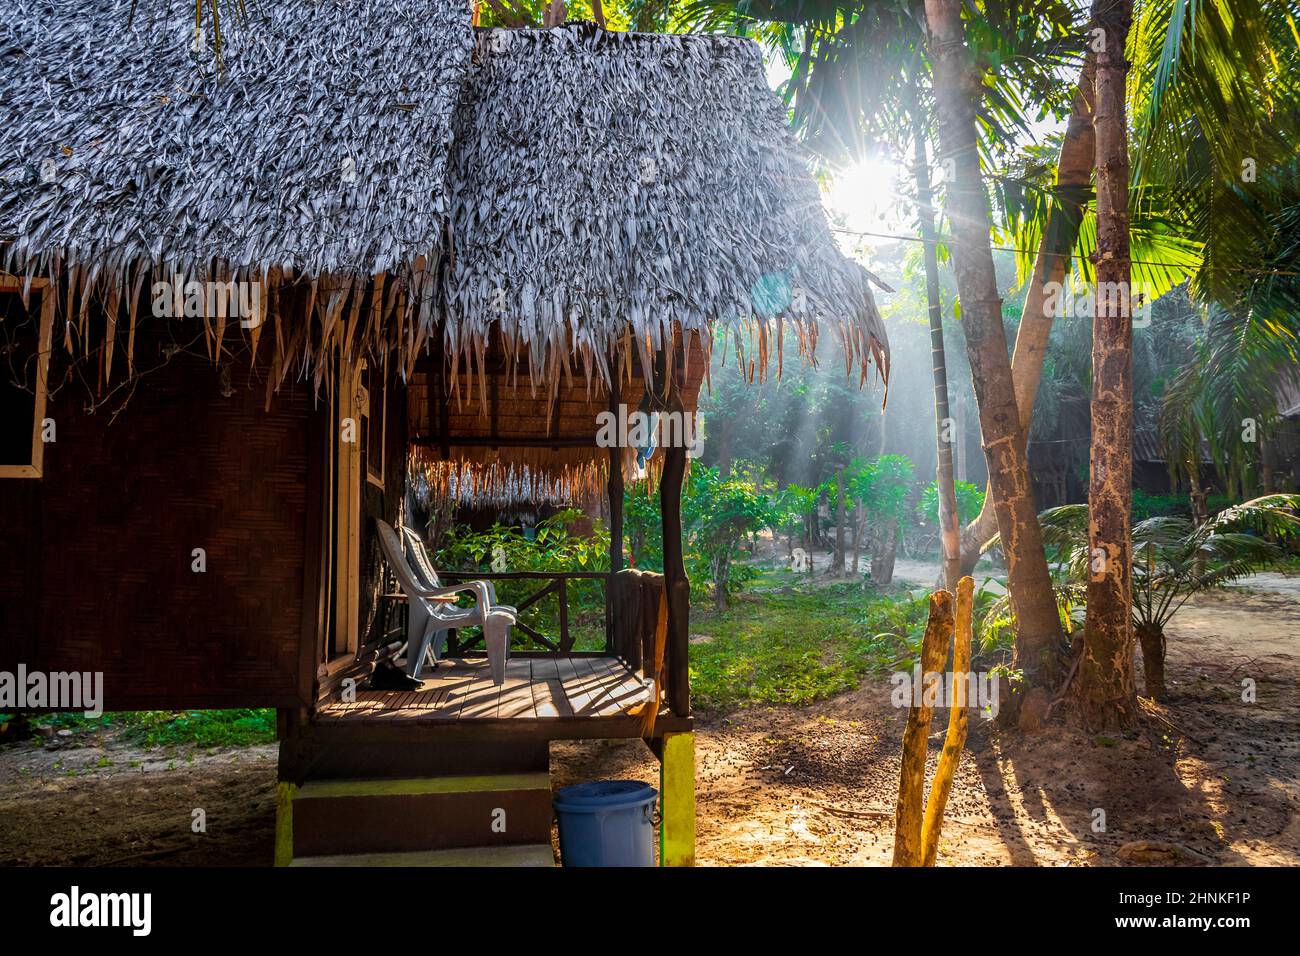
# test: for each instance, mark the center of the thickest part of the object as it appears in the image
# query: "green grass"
(163, 728)
(793, 648)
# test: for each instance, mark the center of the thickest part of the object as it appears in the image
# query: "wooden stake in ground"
(911, 778)
(957, 720)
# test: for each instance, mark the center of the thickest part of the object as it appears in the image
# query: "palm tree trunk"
(1051, 265)
(1038, 631)
(1152, 639)
(945, 433)
(1104, 690)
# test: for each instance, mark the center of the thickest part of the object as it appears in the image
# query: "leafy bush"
(717, 513)
(553, 545)
(970, 499)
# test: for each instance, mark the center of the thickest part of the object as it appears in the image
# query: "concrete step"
(380, 816)
(527, 854)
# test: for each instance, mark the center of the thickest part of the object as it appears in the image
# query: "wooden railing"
(640, 635)
(555, 582)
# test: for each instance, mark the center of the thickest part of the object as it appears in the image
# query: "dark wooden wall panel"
(96, 566)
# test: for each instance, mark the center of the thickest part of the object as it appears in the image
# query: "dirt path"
(805, 786)
(1212, 773)
(110, 804)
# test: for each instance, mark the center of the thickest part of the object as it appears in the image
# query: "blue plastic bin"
(607, 823)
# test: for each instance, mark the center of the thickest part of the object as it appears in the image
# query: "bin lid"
(605, 794)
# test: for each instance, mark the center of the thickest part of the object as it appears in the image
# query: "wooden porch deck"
(537, 688)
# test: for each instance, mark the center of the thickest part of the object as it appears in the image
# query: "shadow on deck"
(555, 697)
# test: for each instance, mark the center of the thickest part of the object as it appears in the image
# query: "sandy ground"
(1210, 779)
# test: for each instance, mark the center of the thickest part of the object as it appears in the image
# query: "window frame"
(8, 283)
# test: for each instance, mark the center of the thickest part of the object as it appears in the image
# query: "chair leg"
(496, 636)
(419, 632)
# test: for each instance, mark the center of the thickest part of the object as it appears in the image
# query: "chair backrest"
(418, 555)
(392, 548)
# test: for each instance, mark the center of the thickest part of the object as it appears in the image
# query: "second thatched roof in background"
(604, 179)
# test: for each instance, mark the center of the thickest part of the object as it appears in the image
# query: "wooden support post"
(495, 400)
(444, 412)
(675, 581)
(284, 794)
(565, 642)
(957, 720)
(911, 777)
(615, 489)
(677, 801)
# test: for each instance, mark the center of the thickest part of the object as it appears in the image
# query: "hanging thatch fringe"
(493, 483)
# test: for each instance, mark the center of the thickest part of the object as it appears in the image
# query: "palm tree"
(1214, 92)
(945, 477)
(1221, 86)
(1174, 558)
(1038, 635)
(1104, 687)
(1062, 216)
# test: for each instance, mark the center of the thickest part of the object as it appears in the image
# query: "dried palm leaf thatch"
(605, 186)
(548, 479)
(316, 150)
(408, 188)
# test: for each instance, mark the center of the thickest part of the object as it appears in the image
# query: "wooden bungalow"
(456, 248)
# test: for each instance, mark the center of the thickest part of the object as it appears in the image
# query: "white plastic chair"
(418, 554)
(431, 611)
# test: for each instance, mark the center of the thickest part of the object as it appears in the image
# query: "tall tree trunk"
(1051, 265)
(1267, 477)
(882, 561)
(857, 536)
(945, 430)
(1104, 689)
(724, 446)
(837, 562)
(1038, 630)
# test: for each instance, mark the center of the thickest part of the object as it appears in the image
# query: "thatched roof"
(602, 181)
(312, 154)
(321, 150)
(398, 184)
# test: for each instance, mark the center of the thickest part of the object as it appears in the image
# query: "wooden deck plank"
(623, 695)
(549, 700)
(516, 698)
(587, 685)
(453, 696)
(613, 691)
(545, 668)
(481, 699)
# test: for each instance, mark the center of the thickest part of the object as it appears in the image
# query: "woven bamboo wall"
(95, 572)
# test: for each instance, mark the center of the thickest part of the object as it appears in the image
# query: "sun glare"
(865, 196)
